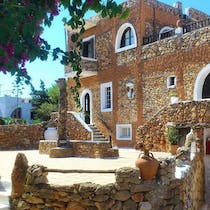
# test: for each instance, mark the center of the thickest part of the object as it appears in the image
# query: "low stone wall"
(193, 184)
(82, 148)
(14, 137)
(154, 131)
(75, 130)
(127, 193)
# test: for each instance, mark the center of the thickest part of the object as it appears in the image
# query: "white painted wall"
(8, 104)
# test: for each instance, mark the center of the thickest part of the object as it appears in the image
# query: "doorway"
(86, 102)
(87, 108)
(206, 88)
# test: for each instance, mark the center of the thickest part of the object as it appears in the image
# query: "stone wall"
(14, 137)
(83, 148)
(172, 56)
(127, 193)
(193, 184)
(75, 130)
(163, 7)
(197, 15)
(153, 131)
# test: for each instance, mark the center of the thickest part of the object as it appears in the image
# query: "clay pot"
(148, 166)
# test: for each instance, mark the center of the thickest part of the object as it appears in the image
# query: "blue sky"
(49, 71)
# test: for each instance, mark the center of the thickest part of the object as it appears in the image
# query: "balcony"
(89, 68)
(185, 29)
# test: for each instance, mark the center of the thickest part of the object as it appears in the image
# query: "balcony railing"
(196, 25)
(186, 28)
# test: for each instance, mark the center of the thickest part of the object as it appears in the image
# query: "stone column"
(62, 112)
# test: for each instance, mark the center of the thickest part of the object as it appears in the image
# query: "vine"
(22, 25)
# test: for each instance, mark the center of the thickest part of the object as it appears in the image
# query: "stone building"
(133, 67)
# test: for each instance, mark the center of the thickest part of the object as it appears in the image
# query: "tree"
(53, 93)
(39, 96)
(21, 23)
(44, 101)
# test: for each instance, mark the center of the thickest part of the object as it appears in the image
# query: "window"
(106, 97)
(124, 131)
(171, 82)
(166, 32)
(88, 47)
(126, 38)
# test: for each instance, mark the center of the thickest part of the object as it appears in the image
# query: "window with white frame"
(171, 82)
(88, 47)
(126, 38)
(124, 131)
(106, 97)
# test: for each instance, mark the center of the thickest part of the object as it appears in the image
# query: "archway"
(202, 86)
(86, 103)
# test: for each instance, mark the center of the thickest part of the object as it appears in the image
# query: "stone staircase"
(5, 191)
(97, 135)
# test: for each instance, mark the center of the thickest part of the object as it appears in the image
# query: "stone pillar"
(62, 112)
(18, 175)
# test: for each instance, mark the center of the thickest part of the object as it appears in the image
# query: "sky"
(49, 71)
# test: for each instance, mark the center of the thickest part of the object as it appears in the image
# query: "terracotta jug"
(147, 165)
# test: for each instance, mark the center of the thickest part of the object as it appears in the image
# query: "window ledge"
(88, 59)
(125, 139)
(125, 48)
(106, 110)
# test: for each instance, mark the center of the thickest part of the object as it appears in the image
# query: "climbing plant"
(22, 23)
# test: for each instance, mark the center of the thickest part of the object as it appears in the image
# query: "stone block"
(61, 152)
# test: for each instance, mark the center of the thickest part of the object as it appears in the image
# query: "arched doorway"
(206, 88)
(202, 84)
(16, 113)
(87, 108)
(86, 102)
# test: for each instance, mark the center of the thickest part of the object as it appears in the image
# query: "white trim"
(164, 30)
(118, 131)
(168, 82)
(94, 46)
(85, 73)
(82, 101)
(119, 37)
(200, 82)
(88, 59)
(103, 96)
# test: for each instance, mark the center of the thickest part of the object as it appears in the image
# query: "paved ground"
(127, 158)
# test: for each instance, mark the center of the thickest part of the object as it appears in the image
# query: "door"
(87, 108)
(206, 88)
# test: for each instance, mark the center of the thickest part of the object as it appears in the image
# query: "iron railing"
(186, 28)
(196, 25)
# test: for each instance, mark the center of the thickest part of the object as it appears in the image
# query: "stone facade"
(14, 137)
(148, 67)
(187, 114)
(128, 192)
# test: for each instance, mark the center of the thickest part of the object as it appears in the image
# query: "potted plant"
(147, 164)
(174, 98)
(173, 138)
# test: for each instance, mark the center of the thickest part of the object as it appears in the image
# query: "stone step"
(103, 139)
(98, 136)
